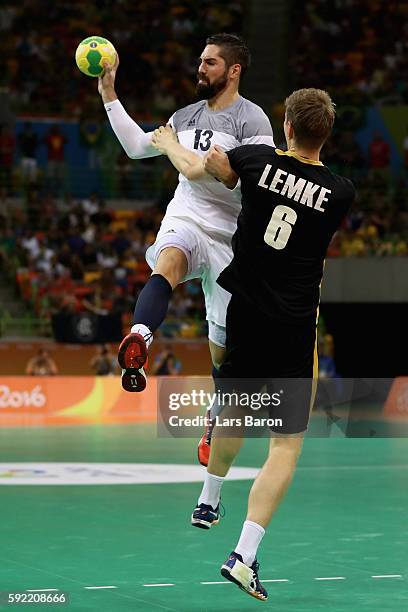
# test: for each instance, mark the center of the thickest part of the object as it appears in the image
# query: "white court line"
(40, 590)
(332, 578)
(101, 587)
(397, 466)
(388, 576)
(167, 584)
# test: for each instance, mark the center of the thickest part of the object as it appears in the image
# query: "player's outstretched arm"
(133, 139)
(185, 161)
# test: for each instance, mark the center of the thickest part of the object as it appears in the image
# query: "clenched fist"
(217, 164)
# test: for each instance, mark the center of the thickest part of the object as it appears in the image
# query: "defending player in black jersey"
(291, 206)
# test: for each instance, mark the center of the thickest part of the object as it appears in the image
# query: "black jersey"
(291, 207)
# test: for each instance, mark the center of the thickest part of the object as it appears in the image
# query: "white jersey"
(206, 201)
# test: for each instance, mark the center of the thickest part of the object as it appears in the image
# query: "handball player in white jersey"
(194, 240)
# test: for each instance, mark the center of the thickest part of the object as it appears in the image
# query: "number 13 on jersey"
(202, 139)
(280, 227)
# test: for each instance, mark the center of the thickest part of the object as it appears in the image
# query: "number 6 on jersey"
(280, 226)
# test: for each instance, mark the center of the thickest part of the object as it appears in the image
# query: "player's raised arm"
(133, 139)
(185, 161)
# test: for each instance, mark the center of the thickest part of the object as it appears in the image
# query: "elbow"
(131, 154)
(137, 153)
(132, 150)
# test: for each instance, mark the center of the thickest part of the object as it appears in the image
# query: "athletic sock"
(152, 303)
(248, 543)
(144, 331)
(210, 494)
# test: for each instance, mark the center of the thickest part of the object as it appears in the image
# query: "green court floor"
(344, 519)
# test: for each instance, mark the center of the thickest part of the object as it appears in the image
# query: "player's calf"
(204, 446)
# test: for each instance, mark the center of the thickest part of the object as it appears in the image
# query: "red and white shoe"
(204, 446)
(132, 357)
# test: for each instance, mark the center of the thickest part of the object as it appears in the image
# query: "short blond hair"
(311, 112)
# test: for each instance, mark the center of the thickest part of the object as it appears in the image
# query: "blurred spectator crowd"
(378, 222)
(365, 45)
(159, 44)
(89, 157)
(364, 63)
(68, 256)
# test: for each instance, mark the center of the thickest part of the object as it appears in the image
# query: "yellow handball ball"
(92, 52)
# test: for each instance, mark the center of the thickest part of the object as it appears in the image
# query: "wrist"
(171, 147)
(108, 95)
(230, 180)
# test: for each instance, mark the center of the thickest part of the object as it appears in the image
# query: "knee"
(290, 447)
(172, 264)
(217, 355)
(217, 363)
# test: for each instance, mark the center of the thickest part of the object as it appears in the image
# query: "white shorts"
(207, 257)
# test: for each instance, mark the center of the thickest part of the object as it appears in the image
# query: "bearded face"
(207, 89)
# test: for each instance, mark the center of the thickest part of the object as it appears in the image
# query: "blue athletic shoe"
(205, 516)
(235, 570)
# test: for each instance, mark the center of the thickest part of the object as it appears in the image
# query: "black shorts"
(262, 350)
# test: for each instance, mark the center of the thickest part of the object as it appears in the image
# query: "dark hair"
(233, 50)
